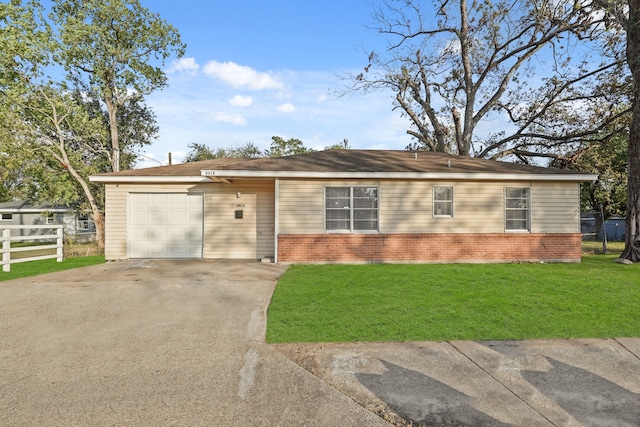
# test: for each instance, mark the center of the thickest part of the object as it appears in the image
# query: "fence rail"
(7, 238)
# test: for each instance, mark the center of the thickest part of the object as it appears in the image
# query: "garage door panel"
(165, 225)
(178, 216)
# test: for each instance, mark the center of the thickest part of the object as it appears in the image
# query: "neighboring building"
(77, 226)
(351, 206)
(614, 227)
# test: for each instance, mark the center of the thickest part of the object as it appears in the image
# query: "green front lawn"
(33, 268)
(346, 303)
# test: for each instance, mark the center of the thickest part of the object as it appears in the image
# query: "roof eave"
(222, 175)
(148, 179)
(400, 175)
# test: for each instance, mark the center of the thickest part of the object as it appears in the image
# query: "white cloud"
(241, 76)
(286, 108)
(184, 65)
(241, 101)
(234, 119)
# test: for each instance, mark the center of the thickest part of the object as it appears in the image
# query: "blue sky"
(255, 69)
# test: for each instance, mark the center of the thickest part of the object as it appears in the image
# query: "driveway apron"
(162, 342)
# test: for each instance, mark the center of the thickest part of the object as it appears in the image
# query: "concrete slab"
(182, 343)
(170, 342)
(501, 383)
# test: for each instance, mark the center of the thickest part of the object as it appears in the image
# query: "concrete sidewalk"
(503, 383)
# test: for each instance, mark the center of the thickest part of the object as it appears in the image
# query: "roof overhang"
(224, 176)
(149, 179)
(458, 176)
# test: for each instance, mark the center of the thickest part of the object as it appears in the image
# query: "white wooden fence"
(7, 238)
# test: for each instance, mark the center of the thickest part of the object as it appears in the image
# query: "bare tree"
(544, 67)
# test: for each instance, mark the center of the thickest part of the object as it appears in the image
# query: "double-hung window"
(351, 209)
(443, 201)
(517, 209)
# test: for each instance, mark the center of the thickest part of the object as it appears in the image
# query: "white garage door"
(165, 225)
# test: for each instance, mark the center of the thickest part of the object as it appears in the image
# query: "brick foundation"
(446, 247)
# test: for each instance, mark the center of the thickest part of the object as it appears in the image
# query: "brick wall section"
(446, 247)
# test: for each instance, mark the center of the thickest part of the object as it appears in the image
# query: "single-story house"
(76, 225)
(354, 206)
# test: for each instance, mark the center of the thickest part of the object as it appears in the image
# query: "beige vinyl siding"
(406, 206)
(115, 229)
(250, 237)
(224, 236)
(555, 207)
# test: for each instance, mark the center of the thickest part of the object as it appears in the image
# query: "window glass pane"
(517, 209)
(517, 224)
(517, 214)
(365, 192)
(521, 193)
(370, 203)
(351, 208)
(443, 201)
(337, 225)
(337, 191)
(442, 208)
(337, 198)
(365, 214)
(443, 193)
(337, 203)
(371, 225)
(338, 214)
(6, 217)
(516, 204)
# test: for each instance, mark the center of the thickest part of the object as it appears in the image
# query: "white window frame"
(352, 209)
(434, 202)
(6, 217)
(49, 219)
(83, 223)
(507, 209)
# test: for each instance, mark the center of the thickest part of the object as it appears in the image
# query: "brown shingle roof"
(349, 161)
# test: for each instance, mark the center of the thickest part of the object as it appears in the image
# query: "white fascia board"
(399, 175)
(143, 179)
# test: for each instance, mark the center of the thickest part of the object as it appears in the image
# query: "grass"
(595, 247)
(33, 268)
(347, 303)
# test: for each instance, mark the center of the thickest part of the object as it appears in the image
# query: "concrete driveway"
(155, 343)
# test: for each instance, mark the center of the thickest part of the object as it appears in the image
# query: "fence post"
(6, 247)
(59, 250)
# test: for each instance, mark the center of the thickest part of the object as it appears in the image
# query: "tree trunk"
(632, 237)
(112, 109)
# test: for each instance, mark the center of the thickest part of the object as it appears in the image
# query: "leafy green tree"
(78, 125)
(117, 48)
(344, 145)
(198, 152)
(281, 147)
(51, 124)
